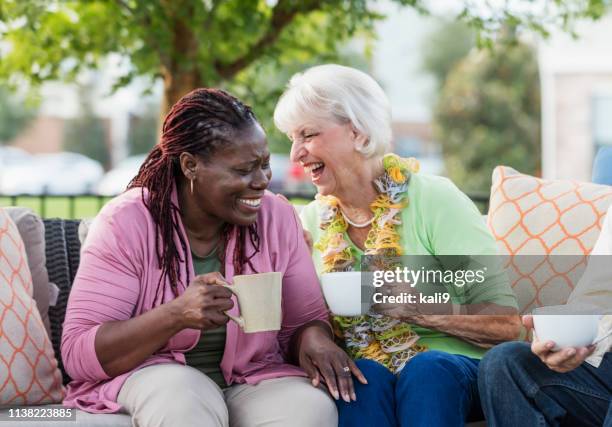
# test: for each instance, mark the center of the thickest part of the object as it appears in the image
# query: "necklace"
(372, 336)
(357, 224)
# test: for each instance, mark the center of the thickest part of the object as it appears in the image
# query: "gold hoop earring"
(191, 182)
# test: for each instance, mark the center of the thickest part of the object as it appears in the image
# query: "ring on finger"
(346, 371)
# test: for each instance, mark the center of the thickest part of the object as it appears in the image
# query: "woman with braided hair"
(146, 330)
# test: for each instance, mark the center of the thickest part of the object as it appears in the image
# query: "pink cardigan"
(117, 277)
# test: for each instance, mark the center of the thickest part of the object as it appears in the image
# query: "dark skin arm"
(312, 347)
(123, 345)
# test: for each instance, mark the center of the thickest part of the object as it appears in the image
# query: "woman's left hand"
(322, 359)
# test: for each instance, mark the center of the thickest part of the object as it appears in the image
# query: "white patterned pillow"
(28, 368)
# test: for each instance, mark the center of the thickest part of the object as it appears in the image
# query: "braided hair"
(199, 123)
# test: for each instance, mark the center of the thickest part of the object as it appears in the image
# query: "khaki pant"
(175, 395)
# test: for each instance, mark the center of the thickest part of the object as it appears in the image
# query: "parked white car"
(116, 180)
(56, 173)
(284, 176)
(12, 156)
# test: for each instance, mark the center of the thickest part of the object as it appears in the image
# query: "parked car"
(279, 163)
(56, 173)
(116, 180)
(21, 178)
(71, 173)
(12, 156)
(289, 177)
(298, 182)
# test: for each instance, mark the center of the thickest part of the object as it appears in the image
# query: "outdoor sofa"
(514, 220)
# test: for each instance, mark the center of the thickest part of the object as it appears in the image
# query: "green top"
(207, 354)
(439, 220)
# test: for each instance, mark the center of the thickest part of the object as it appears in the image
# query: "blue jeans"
(517, 389)
(433, 389)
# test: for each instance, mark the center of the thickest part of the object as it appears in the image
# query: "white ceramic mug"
(566, 326)
(259, 301)
(342, 291)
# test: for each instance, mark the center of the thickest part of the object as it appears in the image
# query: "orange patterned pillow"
(540, 223)
(28, 368)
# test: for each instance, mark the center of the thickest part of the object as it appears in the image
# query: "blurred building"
(396, 61)
(46, 134)
(415, 139)
(62, 103)
(397, 66)
(576, 77)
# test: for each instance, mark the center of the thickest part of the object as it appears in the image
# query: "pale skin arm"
(483, 325)
(481, 330)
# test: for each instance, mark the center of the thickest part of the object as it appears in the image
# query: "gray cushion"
(32, 232)
(83, 419)
(84, 226)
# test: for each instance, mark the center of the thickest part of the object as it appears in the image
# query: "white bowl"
(342, 291)
(565, 330)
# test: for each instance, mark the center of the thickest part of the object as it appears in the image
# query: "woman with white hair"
(421, 368)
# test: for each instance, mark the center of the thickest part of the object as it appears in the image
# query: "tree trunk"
(176, 84)
(180, 71)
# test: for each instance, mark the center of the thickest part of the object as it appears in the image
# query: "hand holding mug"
(204, 302)
(563, 360)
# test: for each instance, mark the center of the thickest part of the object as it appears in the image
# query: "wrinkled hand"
(203, 304)
(405, 311)
(564, 360)
(323, 360)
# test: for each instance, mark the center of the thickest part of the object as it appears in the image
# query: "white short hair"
(342, 94)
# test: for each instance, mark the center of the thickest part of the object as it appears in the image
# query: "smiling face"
(327, 151)
(229, 185)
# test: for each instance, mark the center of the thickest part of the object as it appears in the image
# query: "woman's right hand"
(204, 303)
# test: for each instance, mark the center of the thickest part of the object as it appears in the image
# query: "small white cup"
(566, 326)
(342, 291)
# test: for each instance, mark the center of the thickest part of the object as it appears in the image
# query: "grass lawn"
(59, 207)
(89, 206)
(65, 207)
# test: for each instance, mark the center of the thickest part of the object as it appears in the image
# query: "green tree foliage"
(488, 114)
(489, 19)
(262, 88)
(445, 46)
(187, 43)
(191, 43)
(87, 133)
(250, 47)
(15, 114)
(238, 44)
